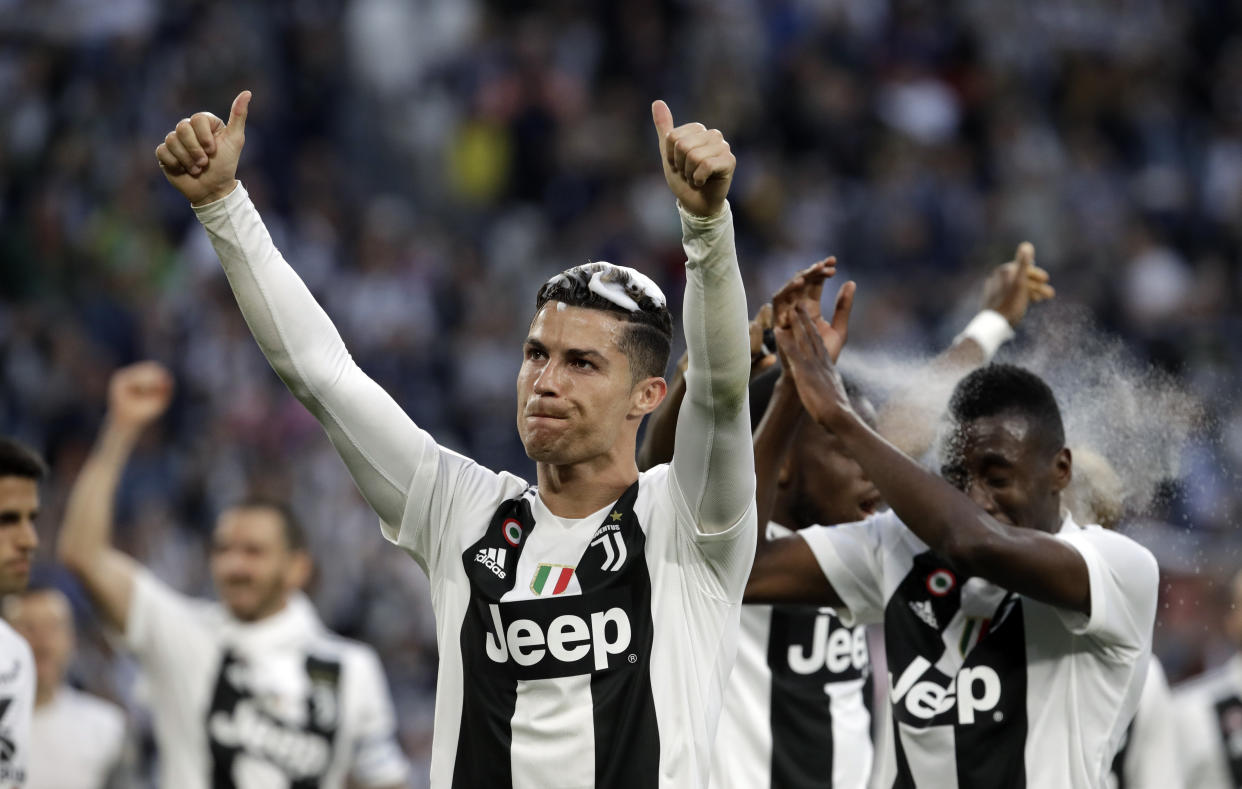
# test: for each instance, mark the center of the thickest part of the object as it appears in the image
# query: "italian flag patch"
(551, 579)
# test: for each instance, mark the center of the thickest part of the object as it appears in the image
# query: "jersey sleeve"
(164, 629)
(1124, 581)
(713, 468)
(1151, 759)
(377, 757)
(390, 458)
(851, 558)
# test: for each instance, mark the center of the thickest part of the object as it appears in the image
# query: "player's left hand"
(807, 359)
(698, 164)
(804, 291)
(1012, 287)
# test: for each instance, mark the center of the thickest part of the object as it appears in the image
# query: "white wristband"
(990, 330)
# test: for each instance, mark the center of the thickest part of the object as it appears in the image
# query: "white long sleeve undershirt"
(713, 466)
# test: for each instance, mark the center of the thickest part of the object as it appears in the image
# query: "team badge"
(551, 579)
(941, 582)
(512, 531)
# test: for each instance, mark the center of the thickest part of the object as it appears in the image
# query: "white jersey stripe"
(553, 718)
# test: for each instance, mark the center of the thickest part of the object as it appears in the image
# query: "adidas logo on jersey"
(584, 644)
(975, 689)
(493, 559)
(923, 610)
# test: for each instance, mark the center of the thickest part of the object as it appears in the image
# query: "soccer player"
(586, 624)
(77, 741)
(20, 472)
(252, 691)
(798, 710)
(1208, 712)
(1017, 640)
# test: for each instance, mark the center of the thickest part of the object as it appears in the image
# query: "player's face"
(46, 622)
(19, 506)
(1001, 463)
(575, 393)
(829, 486)
(252, 564)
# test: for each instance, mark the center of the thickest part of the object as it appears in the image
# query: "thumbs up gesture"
(698, 165)
(200, 155)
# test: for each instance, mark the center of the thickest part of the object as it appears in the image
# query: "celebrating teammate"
(20, 472)
(1208, 712)
(1017, 640)
(77, 741)
(251, 692)
(586, 625)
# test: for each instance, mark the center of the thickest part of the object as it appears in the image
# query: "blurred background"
(426, 164)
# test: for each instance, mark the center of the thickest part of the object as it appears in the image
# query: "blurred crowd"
(426, 164)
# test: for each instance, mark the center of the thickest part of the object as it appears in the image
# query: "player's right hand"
(200, 155)
(1012, 287)
(139, 394)
(803, 291)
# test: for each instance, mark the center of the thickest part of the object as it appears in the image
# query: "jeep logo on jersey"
(838, 649)
(493, 559)
(975, 689)
(561, 637)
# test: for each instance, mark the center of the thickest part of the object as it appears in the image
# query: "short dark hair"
(649, 330)
(19, 460)
(1005, 388)
(764, 384)
(295, 535)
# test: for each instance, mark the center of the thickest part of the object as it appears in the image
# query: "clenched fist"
(697, 162)
(200, 155)
(139, 394)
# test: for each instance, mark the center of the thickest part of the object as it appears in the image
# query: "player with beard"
(252, 692)
(20, 472)
(586, 624)
(1017, 640)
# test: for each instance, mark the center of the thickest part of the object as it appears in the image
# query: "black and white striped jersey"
(17, 695)
(1208, 711)
(797, 713)
(587, 652)
(988, 688)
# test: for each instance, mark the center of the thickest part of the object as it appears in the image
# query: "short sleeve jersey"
(281, 703)
(987, 687)
(77, 741)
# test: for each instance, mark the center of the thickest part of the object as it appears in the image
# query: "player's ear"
(646, 395)
(298, 574)
(1062, 470)
(785, 475)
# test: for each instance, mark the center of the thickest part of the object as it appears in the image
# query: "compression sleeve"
(380, 444)
(713, 464)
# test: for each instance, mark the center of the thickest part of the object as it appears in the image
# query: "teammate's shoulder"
(334, 646)
(656, 473)
(12, 644)
(94, 710)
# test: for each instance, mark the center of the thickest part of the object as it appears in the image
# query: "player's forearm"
(661, 436)
(380, 444)
(86, 534)
(773, 439)
(713, 460)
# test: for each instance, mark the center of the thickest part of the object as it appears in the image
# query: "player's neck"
(576, 490)
(44, 693)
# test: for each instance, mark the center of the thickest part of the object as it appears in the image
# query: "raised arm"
(137, 396)
(379, 443)
(712, 465)
(910, 417)
(785, 568)
(1024, 560)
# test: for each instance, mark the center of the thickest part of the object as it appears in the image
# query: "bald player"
(77, 741)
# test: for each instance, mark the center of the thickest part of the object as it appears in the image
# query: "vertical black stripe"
(809, 649)
(1229, 718)
(489, 696)
(986, 708)
(627, 736)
